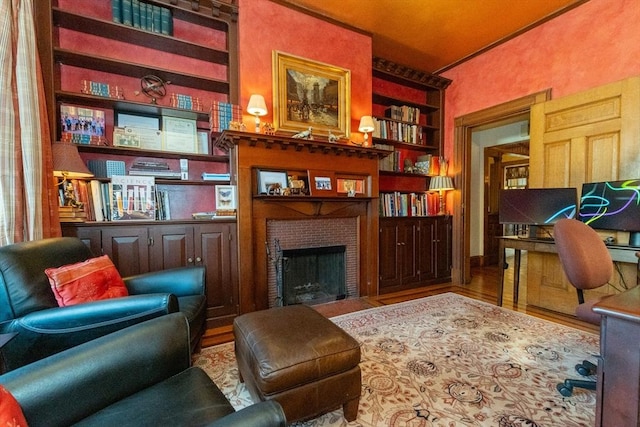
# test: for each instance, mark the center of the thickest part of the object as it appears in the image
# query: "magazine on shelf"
(133, 198)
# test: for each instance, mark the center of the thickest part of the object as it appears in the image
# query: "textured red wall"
(591, 45)
(265, 26)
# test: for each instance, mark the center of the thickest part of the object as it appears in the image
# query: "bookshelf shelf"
(109, 150)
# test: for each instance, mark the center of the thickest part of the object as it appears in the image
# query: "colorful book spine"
(157, 19)
(166, 21)
(135, 13)
(127, 12)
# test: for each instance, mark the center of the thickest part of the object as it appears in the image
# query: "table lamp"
(67, 164)
(366, 125)
(441, 184)
(258, 108)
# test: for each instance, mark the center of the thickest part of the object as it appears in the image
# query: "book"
(135, 13)
(116, 11)
(96, 197)
(127, 12)
(133, 198)
(157, 19)
(166, 22)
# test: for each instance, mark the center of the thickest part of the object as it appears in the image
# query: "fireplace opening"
(313, 275)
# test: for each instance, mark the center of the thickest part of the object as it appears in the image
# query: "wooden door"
(216, 249)
(587, 137)
(171, 246)
(388, 268)
(443, 247)
(128, 248)
(427, 249)
(407, 251)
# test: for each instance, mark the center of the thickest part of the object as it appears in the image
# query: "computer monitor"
(537, 206)
(612, 205)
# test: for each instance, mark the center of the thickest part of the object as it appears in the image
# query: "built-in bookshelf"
(415, 243)
(179, 73)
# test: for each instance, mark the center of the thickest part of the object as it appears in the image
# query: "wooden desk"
(618, 384)
(618, 253)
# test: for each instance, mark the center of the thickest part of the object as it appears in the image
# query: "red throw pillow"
(90, 280)
(10, 411)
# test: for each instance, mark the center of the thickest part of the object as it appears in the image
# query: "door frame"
(464, 126)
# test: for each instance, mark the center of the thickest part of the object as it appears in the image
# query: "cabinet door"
(128, 248)
(215, 248)
(172, 246)
(443, 247)
(426, 249)
(407, 250)
(388, 258)
(90, 236)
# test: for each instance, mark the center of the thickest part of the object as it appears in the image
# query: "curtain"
(28, 199)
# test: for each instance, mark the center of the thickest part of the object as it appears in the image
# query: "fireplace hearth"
(313, 275)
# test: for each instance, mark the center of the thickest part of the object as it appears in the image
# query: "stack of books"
(155, 169)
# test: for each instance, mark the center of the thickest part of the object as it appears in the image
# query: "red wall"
(265, 26)
(594, 44)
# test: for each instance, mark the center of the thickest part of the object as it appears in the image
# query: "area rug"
(450, 361)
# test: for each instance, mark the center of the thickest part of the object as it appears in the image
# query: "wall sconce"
(441, 184)
(366, 125)
(67, 164)
(258, 108)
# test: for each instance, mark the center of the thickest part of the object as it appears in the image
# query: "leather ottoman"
(299, 358)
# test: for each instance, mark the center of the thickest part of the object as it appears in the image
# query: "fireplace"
(312, 275)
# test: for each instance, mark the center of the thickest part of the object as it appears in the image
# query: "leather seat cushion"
(188, 398)
(287, 347)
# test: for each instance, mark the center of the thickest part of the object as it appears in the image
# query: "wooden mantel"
(249, 152)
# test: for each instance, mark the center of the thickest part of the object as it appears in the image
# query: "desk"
(618, 388)
(618, 253)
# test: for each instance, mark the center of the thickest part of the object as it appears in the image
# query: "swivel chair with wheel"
(587, 264)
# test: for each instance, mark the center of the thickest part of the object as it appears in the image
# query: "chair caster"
(586, 368)
(565, 389)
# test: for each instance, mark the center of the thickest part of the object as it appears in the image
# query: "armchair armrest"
(46, 332)
(262, 414)
(70, 386)
(183, 281)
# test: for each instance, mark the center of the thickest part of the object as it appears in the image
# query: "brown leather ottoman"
(299, 358)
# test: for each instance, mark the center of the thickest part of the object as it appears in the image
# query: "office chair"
(587, 264)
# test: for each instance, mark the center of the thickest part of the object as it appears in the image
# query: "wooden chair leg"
(350, 409)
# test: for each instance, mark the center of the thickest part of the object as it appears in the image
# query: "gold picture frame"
(326, 108)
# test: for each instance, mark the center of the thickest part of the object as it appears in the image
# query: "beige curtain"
(28, 209)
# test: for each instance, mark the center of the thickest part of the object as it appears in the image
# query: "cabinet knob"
(190, 260)
(198, 259)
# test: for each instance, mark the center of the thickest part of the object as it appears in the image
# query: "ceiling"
(434, 35)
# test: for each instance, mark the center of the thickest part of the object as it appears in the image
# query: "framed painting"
(309, 94)
(226, 197)
(352, 187)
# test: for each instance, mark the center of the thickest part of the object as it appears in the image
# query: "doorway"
(464, 157)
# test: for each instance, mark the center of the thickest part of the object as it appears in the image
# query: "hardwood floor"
(483, 287)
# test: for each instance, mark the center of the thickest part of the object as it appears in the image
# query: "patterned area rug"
(450, 361)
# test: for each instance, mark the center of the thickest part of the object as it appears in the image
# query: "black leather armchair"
(28, 305)
(138, 376)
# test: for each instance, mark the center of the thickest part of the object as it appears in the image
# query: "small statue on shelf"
(333, 138)
(305, 134)
(268, 129)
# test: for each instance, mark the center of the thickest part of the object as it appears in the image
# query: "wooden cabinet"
(415, 244)
(618, 388)
(414, 252)
(141, 248)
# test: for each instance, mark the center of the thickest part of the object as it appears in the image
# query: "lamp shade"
(67, 161)
(441, 183)
(257, 106)
(366, 124)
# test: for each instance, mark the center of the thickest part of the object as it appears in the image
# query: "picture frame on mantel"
(310, 94)
(322, 183)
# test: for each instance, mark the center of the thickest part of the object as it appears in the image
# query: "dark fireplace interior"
(313, 275)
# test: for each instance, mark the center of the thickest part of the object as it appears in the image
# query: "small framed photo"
(352, 187)
(322, 183)
(225, 197)
(271, 182)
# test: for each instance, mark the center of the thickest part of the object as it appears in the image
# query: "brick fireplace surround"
(316, 215)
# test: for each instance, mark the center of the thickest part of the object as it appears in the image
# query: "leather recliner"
(138, 376)
(28, 305)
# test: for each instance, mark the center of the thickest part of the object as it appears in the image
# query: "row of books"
(223, 113)
(403, 132)
(138, 14)
(124, 198)
(408, 204)
(394, 162)
(403, 113)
